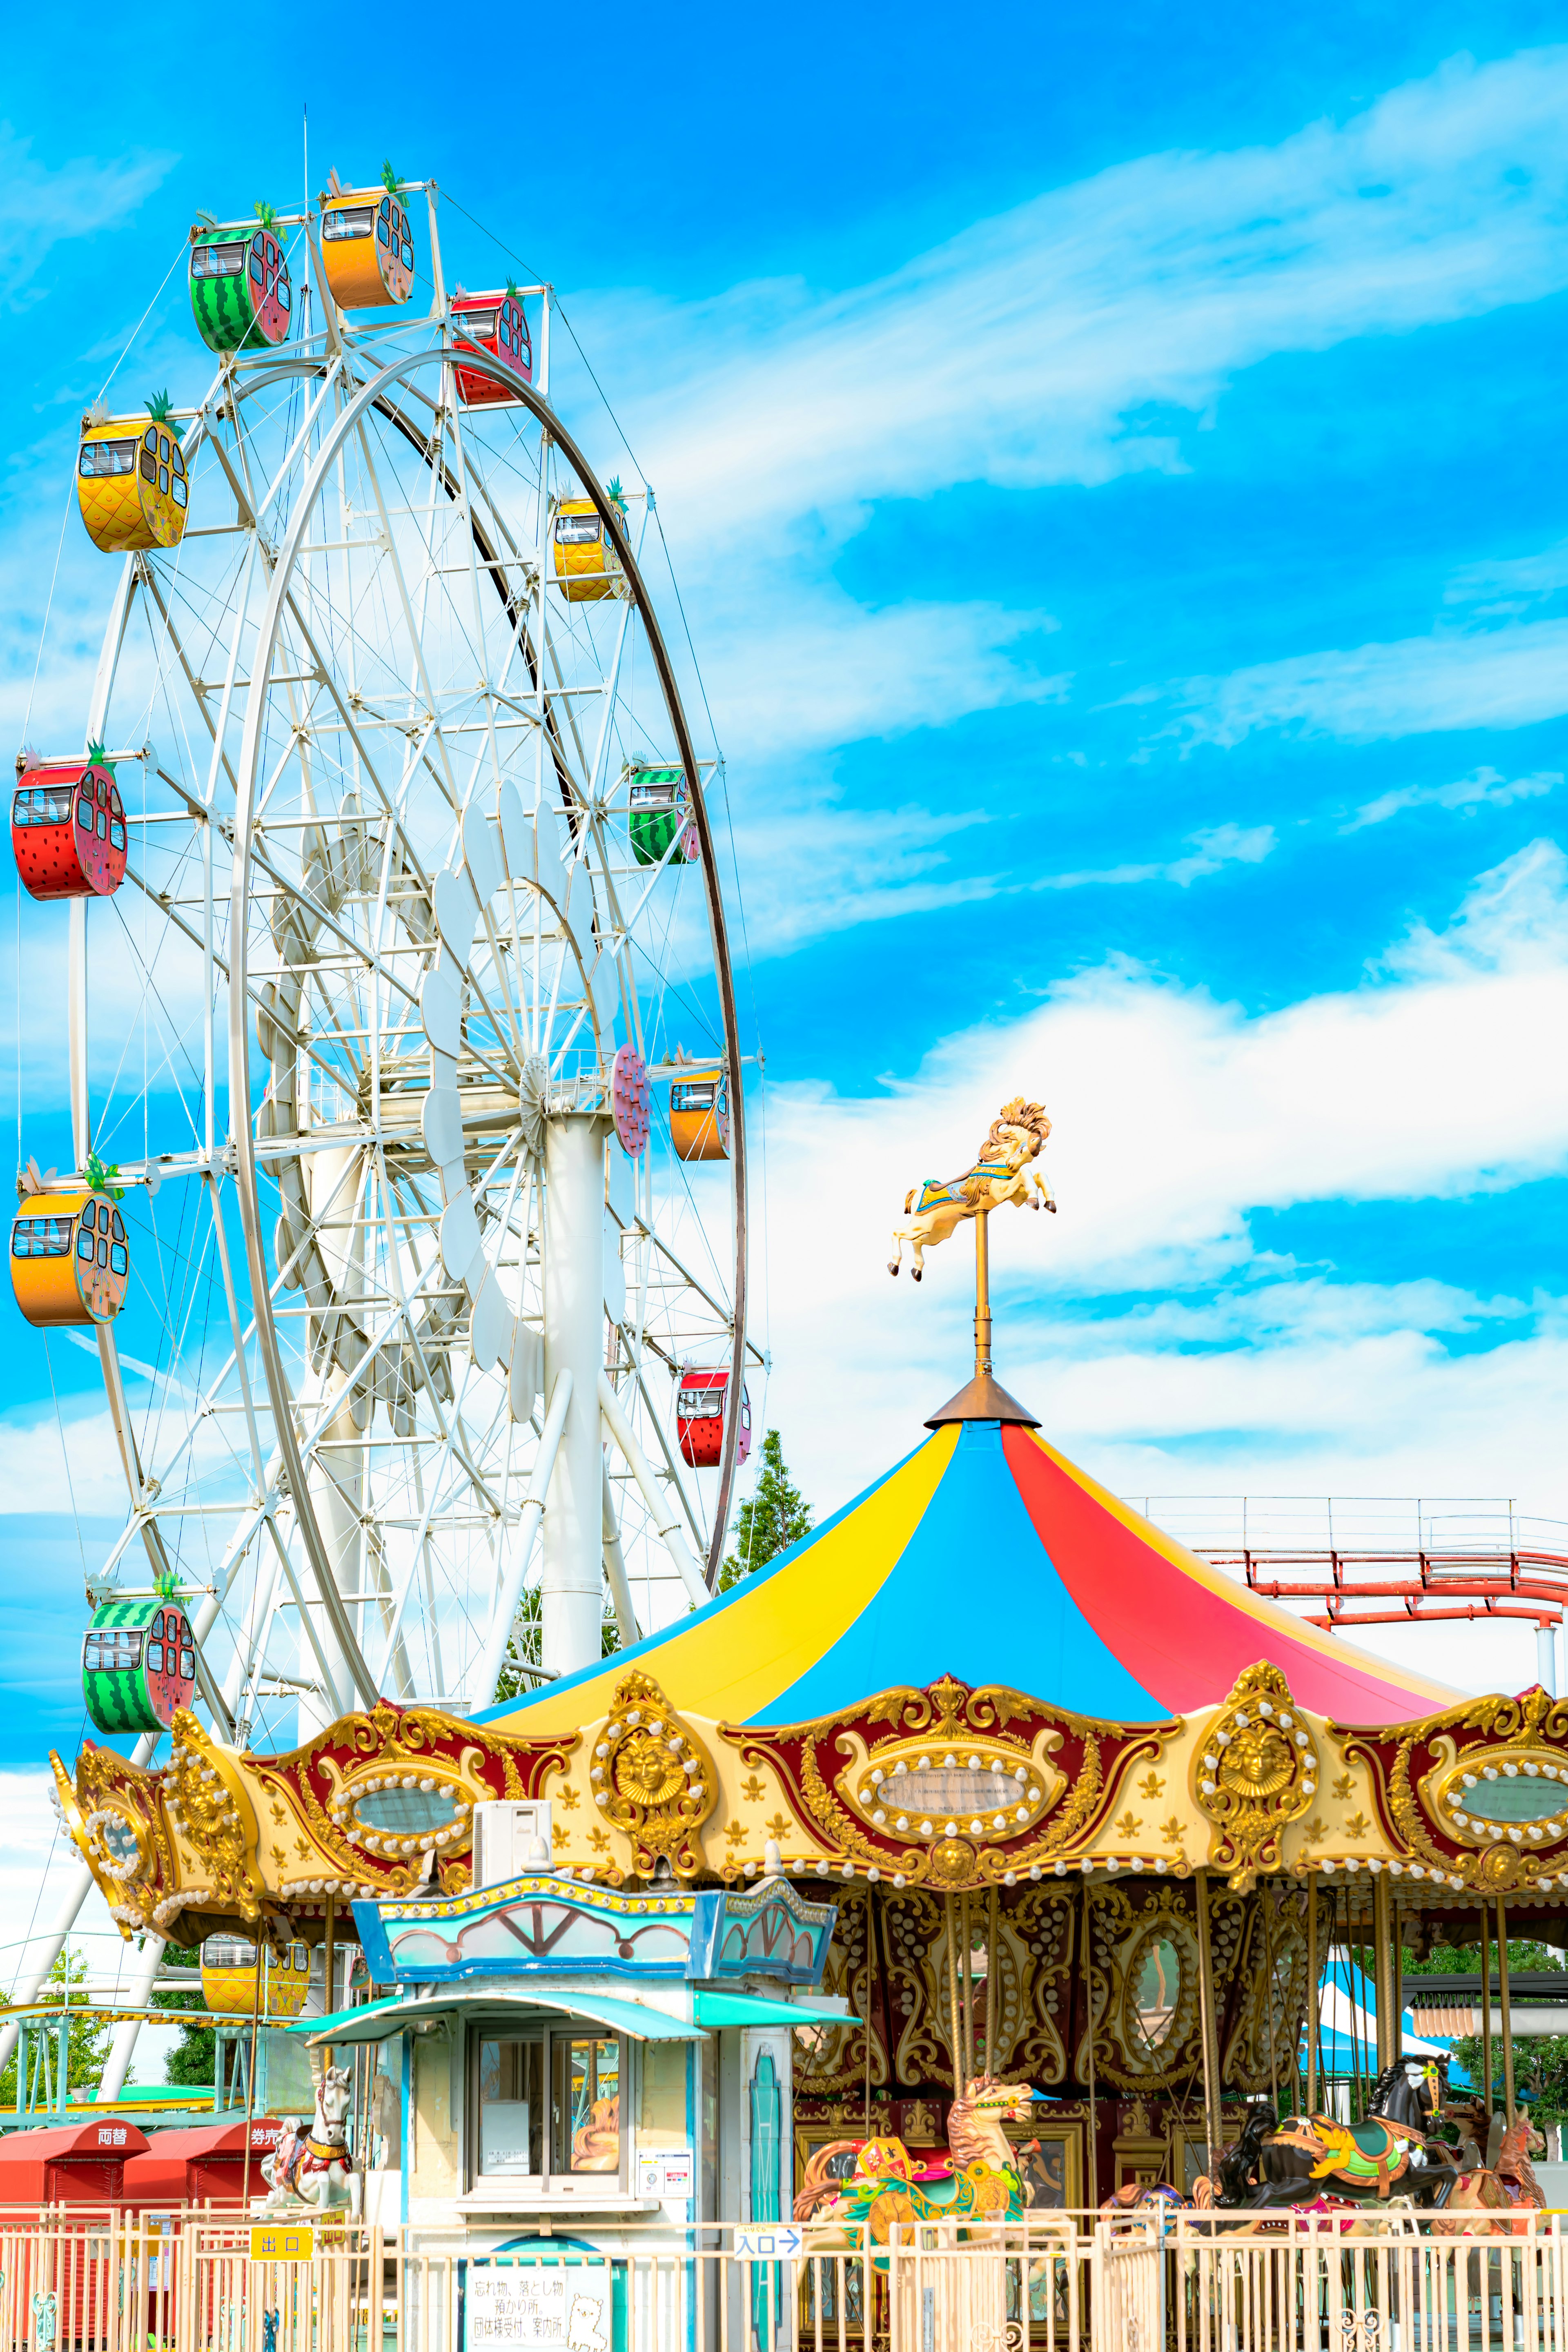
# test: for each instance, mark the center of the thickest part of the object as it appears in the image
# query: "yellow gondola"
(131, 480)
(586, 564)
(229, 1979)
(367, 246)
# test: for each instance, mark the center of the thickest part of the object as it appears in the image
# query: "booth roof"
(987, 1556)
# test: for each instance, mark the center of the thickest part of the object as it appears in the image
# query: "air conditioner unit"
(510, 1838)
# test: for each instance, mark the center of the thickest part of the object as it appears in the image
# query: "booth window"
(547, 2106)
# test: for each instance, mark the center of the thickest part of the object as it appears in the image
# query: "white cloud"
(1220, 845)
(1023, 349)
(1511, 677)
(1177, 1117)
(1485, 788)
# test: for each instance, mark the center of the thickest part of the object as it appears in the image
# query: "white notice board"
(539, 2307)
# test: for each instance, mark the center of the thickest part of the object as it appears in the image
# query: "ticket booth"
(68, 2164)
(206, 2163)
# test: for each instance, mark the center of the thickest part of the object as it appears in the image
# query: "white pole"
(615, 1572)
(572, 1574)
(118, 2064)
(1546, 1659)
(667, 1526)
(510, 1591)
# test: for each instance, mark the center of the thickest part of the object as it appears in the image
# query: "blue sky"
(1113, 464)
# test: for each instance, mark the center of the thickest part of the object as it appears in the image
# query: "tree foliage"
(1539, 2060)
(774, 1516)
(193, 2061)
(87, 2046)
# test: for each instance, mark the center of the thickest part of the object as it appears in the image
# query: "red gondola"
(68, 828)
(496, 324)
(700, 1419)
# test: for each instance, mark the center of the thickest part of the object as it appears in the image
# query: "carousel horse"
(976, 2176)
(1508, 2186)
(1003, 1172)
(1393, 2146)
(317, 2166)
(1136, 2196)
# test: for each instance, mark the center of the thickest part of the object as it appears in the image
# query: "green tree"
(523, 1648)
(775, 1515)
(86, 2047)
(1539, 2061)
(194, 2058)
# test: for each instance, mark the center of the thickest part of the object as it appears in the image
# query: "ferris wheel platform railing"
(1380, 1561)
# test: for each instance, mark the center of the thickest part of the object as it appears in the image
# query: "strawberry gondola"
(495, 323)
(68, 828)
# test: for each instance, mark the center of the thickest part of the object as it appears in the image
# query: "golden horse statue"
(1004, 1171)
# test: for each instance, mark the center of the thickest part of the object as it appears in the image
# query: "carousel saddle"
(1372, 2154)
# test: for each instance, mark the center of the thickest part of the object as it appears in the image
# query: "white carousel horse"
(317, 2167)
(1005, 1171)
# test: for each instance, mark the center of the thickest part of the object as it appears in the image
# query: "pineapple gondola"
(242, 297)
(68, 827)
(586, 565)
(131, 480)
(367, 245)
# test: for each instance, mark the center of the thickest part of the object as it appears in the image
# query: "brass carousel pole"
(1314, 1998)
(1505, 2020)
(1486, 2014)
(982, 1294)
(968, 1932)
(956, 2044)
(1093, 2092)
(1382, 1980)
(992, 1988)
(1210, 2032)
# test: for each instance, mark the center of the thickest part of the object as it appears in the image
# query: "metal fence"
(199, 2281)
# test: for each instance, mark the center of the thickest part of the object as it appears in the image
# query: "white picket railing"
(192, 2281)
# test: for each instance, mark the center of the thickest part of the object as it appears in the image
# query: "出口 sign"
(539, 2307)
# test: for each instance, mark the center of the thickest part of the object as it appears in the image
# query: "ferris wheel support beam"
(571, 1576)
(508, 1593)
(666, 1525)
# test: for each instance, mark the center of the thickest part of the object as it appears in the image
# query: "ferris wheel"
(403, 1047)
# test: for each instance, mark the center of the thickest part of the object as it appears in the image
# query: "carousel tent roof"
(984, 1555)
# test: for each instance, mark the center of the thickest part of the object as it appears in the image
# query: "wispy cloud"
(1484, 788)
(43, 205)
(1035, 347)
(1221, 846)
(1177, 1119)
(1511, 677)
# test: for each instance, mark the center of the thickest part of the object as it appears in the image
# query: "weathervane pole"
(981, 1295)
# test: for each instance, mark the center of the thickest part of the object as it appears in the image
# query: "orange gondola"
(495, 323)
(700, 1419)
(367, 245)
(69, 1258)
(700, 1116)
(68, 828)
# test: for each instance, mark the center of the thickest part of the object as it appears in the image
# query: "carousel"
(989, 1820)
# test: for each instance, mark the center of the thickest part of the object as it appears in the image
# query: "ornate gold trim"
(1255, 1771)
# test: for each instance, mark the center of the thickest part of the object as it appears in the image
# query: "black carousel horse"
(1395, 2151)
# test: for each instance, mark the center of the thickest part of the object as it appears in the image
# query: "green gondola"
(657, 812)
(138, 1664)
(241, 296)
